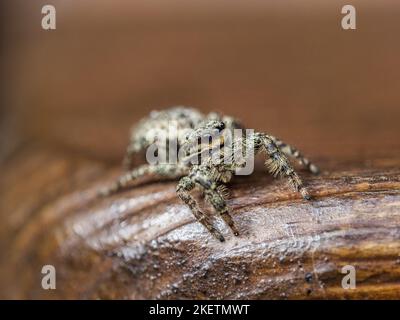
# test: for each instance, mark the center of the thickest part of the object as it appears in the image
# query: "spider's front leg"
(218, 202)
(213, 194)
(185, 186)
(146, 172)
(278, 164)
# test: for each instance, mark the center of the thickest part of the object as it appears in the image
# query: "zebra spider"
(210, 173)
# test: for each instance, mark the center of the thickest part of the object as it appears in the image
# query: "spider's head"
(206, 137)
(210, 128)
(229, 122)
(214, 125)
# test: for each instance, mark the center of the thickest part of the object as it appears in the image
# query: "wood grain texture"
(143, 243)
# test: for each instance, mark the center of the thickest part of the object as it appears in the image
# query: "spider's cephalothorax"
(211, 170)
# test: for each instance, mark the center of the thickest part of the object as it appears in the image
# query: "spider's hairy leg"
(185, 186)
(278, 164)
(291, 151)
(212, 191)
(151, 172)
(218, 202)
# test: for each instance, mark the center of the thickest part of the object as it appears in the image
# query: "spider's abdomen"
(171, 125)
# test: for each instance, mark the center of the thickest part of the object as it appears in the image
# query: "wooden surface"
(143, 243)
(69, 97)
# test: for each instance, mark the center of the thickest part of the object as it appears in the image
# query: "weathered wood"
(68, 100)
(143, 243)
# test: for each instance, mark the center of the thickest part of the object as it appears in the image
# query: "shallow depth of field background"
(286, 68)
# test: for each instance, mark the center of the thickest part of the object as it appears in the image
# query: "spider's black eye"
(220, 126)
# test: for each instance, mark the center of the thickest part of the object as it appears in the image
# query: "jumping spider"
(210, 174)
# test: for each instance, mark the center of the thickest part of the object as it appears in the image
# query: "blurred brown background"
(287, 68)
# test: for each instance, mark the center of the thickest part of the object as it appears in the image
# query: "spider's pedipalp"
(213, 192)
(185, 186)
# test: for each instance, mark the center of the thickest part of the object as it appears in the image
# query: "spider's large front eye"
(220, 126)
